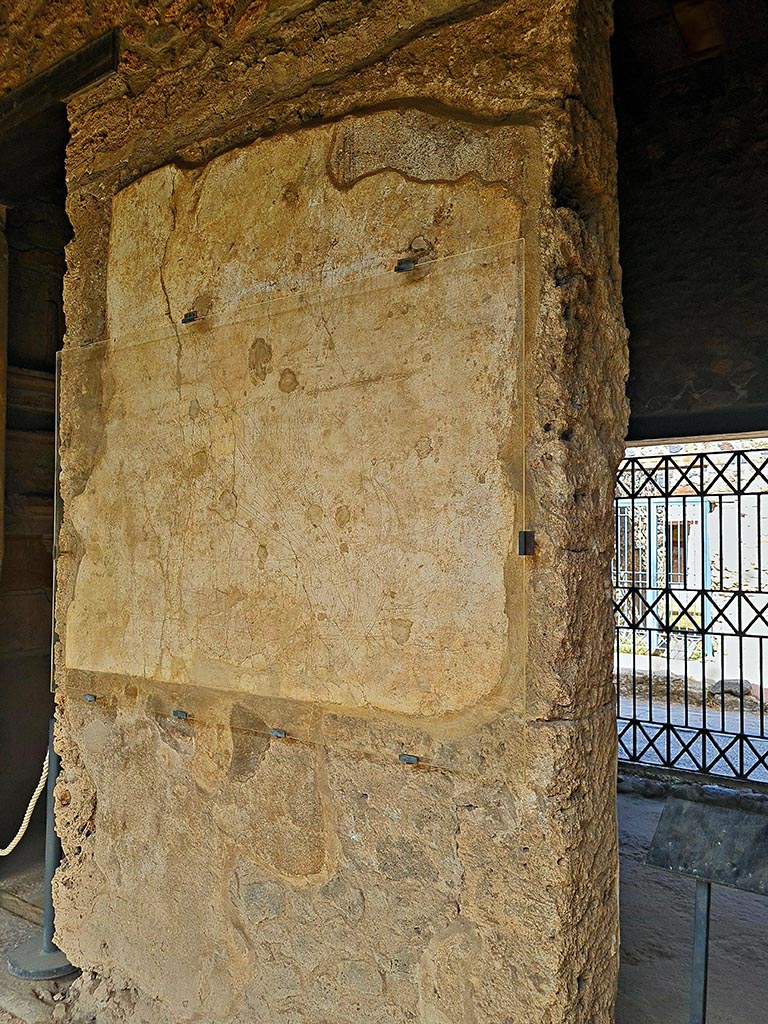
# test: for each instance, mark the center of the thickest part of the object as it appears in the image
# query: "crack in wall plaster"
(218, 648)
(164, 286)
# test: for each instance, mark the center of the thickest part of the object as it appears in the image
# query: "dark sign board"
(713, 842)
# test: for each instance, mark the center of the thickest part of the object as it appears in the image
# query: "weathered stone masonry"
(213, 871)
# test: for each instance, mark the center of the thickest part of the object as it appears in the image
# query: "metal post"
(700, 967)
(39, 958)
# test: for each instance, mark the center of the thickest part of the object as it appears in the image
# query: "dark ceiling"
(691, 89)
(668, 53)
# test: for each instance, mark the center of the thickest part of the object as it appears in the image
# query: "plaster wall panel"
(310, 491)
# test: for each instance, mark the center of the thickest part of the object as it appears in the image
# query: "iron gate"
(691, 607)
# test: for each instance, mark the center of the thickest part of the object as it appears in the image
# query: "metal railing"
(690, 583)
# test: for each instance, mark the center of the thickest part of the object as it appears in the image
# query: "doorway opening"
(690, 581)
(690, 573)
(691, 97)
(35, 232)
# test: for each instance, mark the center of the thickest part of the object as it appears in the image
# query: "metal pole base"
(700, 971)
(31, 962)
(39, 959)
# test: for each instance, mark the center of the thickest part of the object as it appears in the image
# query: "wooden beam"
(85, 66)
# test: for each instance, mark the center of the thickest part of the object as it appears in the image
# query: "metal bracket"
(404, 265)
(526, 542)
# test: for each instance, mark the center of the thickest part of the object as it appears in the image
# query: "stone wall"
(297, 513)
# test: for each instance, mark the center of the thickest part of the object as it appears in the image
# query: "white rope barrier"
(4, 851)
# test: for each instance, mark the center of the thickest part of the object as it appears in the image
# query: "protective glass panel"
(318, 501)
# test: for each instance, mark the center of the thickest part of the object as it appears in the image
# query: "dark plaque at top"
(724, 841)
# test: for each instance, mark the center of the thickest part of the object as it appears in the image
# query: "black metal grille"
(691, 603)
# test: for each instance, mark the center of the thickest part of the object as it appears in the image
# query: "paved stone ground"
(21, 877)
(656, 923)
(22, 1002)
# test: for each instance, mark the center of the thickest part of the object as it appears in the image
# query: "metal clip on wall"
(526, 542)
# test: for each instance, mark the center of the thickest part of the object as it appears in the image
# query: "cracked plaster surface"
(309, 492)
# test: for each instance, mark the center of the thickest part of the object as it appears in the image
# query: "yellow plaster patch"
(336, 458)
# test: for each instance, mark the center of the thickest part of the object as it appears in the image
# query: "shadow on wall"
(656, 932)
